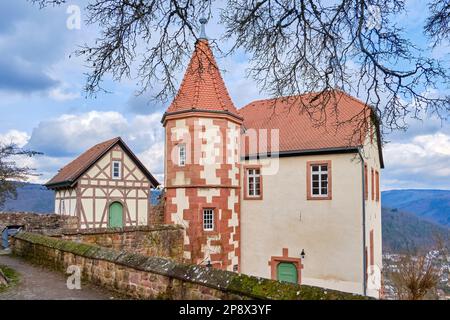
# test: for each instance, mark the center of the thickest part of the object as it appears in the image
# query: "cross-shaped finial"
(203, 22)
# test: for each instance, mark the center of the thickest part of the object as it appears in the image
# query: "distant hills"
(31, 198)
(404, 231)
(432, 205)
(414, 218)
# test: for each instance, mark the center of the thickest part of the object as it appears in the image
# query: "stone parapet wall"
(144, 277)
(37, 222)
(154, 241)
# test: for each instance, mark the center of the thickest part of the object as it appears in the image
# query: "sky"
(43, 106)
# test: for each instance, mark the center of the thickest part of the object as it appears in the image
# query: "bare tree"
(438, 23)
(11, 174)
(294, 46)
(414, 276)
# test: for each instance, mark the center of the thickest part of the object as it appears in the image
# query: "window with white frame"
(319, 180)
(116, 170)
(208, 219)
(182, 154)
(253, 182)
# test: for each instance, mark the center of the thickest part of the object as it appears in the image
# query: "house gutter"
(363, 223)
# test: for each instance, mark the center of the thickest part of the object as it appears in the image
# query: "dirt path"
(37, 283)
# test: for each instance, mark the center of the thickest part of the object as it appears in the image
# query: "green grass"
(12, 276)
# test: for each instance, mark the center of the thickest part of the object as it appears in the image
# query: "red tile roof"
(68, 175)
(307, 124)
(202, 87)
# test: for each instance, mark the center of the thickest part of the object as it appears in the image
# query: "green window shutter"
(115, 215)
(287, 272)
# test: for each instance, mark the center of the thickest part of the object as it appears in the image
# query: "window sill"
(253, 197)
(319, 198)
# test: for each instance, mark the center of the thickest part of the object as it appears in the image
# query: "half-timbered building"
(106, 186)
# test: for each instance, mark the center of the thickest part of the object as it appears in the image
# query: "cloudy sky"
(43, 106)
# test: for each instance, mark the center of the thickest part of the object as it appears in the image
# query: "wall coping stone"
(240, 284)
(94, 231)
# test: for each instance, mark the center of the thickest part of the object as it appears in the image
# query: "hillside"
(404, 231)
(31, 198)
(432, 205)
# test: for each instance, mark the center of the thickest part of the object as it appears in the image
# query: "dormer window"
(116, 170)
(182, 155)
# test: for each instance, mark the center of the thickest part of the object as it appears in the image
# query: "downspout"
(363, 222)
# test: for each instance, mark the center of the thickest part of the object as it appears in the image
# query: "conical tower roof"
(203, 88)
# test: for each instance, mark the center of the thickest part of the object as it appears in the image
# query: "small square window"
(208, 219)
(116, 170)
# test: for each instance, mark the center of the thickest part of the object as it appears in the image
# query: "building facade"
(106, 186)
(271, 191)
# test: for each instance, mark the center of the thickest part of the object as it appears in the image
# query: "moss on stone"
(12, 276)
(228, 282)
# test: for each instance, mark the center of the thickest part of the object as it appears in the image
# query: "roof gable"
(69, 174)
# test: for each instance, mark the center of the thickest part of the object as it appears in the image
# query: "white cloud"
(20, 138)
(65, 137)
(61, 94)
(421, 162)
(71, 134)
(153, 159)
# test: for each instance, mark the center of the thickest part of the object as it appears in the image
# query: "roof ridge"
(107, 144)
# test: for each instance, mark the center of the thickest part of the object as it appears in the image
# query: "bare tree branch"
(294, 47)
(10, 172)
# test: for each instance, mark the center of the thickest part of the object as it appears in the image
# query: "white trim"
(120, 170)
(253, 175)
(208, 223)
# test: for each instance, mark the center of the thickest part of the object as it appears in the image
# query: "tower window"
(116, 170)
(208, 219)
(182, 154)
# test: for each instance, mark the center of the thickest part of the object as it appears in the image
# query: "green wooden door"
(115, 215)
(287, 272)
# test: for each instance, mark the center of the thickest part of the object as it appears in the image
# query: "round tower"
(202, 164)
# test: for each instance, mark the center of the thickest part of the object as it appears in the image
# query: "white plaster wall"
(330, 231)
(373, 217)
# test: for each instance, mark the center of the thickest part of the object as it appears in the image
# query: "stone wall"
(37, 222)
(144, 277)
(154, 241)
(156, 212)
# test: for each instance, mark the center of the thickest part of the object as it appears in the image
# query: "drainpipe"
(363, 223)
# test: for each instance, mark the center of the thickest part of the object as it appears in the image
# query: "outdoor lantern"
(209, 265)
(302, 254)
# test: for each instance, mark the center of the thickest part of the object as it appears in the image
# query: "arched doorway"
(287, 271)
(115, 219)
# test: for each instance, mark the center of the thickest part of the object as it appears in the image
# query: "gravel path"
(37, 283)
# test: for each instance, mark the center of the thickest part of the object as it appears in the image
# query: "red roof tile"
(202, 87)
(329, 124)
